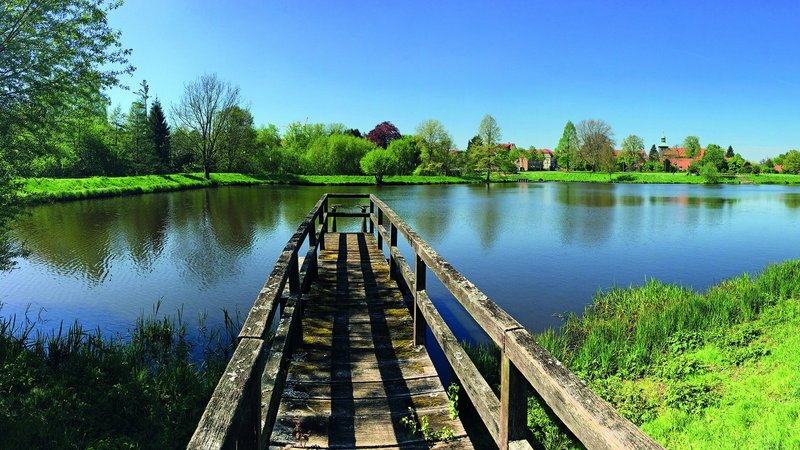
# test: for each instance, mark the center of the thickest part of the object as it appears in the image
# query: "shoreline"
(49, 190)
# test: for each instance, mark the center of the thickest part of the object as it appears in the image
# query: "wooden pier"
(333, 353)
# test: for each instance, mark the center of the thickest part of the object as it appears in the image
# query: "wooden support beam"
(392, 246)
(513, 403)
(420, 324)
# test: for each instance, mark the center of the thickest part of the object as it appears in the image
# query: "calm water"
(537, 249)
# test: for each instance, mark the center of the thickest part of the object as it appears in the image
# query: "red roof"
(546, 151)
(507, 145)
(677, 157)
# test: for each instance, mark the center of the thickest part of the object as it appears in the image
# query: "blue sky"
(728, 72)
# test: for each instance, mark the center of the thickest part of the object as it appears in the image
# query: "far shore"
(44, 190)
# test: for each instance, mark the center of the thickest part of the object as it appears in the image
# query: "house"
(677, 156)
(548, 163)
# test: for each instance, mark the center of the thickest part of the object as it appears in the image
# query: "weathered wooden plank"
(592, 420)
(356, 374)
(477, 389)
(373, 425)
(348, 214)
(346, 195)
(230, 409)
(426, 385)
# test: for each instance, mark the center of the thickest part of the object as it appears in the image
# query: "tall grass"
(73, 388)
(630, 345)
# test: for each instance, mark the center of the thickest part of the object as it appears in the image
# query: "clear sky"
(726, 71)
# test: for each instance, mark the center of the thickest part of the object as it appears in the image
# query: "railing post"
(323, 220)
(294, 274)
(420, 324)
(380, 223)
(371, 212)
(363, 219)
(513, 403)
(333, 211)
(392, 245)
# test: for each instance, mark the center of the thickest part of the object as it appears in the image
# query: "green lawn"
(55, 189)
(651, 178)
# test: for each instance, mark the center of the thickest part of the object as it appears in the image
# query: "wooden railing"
(244, 405)
(524, 363)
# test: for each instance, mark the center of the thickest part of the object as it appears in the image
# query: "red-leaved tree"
(383, 134)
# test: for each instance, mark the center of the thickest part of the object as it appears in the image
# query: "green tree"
(407, 154)
(205, 109)
(434, 143)
(632, 151)
(653, 155)
(55, 56)
(791, 162)
(237, 141)
(488, 153)
(716, 156)
(566, 153)
(692, 146)
(160, 134)
(736, 163)
(729, 153)
(379, 162)
(271, 157)
(596, 142)
(337, 154)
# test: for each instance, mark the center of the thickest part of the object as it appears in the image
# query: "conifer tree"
(159, 130)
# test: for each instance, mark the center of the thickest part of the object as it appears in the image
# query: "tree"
(490, 135)
(716, 156)
(160, 134)
(205, 108)
(632, 150)
(567, 154)
(596, 142)
(383, 134)
(54, 55)
(729, 153)
(379, 162)
(791, 162)
(337, 154)
(736, 164)
(237, 140)
(407, 153)
(434, 144)
(692, 146)
(653, 155)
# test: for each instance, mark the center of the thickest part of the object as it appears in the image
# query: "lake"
(538, 249)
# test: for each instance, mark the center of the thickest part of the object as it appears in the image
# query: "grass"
(75, 388)
(39, 190)
(35, 190)
(651, 178)
(713, 369)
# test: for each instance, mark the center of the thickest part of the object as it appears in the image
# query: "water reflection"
(792, 200)
(205, 232)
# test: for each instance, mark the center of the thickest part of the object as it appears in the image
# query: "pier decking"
(333, 353)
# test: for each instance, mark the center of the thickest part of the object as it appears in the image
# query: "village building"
(677, 156)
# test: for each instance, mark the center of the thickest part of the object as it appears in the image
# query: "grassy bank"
(39, 190)
(78, 389)
(713, 369)
(652, 178)
(35, 190)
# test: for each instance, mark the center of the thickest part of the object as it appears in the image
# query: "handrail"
(524, 362)
(244, 404)
(242, 409)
